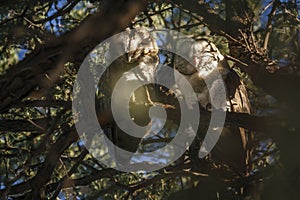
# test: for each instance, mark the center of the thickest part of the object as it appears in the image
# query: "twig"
(245, 39)
(69, 173)
(266, 7)
(269, 25)
(152, 103)
(236, 60)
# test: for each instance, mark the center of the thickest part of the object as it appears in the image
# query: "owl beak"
(132, 56)
(129, 57)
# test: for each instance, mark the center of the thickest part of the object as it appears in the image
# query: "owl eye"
(208, 106)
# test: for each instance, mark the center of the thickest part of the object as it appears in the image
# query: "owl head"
(136, 43)
(203, 65)
(203, 57)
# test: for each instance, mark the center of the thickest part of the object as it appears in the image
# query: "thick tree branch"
(45, 172)
(24, 125)
(210, 17)
(44, 65)
(276, 83)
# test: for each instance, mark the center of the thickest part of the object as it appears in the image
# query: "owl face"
(203, 58)
(138, 43)
(202, 71)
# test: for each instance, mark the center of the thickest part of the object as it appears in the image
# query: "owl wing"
(234, 145)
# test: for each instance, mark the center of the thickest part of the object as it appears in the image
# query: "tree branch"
(269, 24)
(210, 17)
(43, 66)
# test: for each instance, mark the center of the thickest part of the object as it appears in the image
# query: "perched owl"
(141, 54)
(141, 50)
(208, 62)
(233, 146)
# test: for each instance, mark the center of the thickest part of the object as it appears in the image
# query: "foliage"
(42, 45)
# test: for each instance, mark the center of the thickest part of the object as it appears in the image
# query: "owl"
(208, 62)
(141, 55)
(141, 51)
(233, 147)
